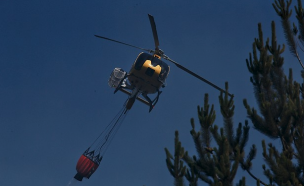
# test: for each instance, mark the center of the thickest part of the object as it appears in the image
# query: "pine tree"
(280, 100)
(279, 116)
(280, 108)
(213, 165)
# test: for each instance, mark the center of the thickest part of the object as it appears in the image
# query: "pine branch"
(282, 168)
(283, 11)
(245, 136)
(300, 18)
(242, 182)
(191, 177)
(196, 137)
(259, 123)
(247, 164)
(176, 169)
(227, 111)
(206, 117)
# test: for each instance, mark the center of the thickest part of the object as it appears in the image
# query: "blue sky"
(54, 94)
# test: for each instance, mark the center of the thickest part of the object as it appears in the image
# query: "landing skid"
(152, 103)
(146, 101)
(124, 87)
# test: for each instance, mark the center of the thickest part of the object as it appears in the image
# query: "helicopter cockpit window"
(141, 60)
(150, 71)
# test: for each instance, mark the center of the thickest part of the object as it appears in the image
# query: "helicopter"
(148, 73)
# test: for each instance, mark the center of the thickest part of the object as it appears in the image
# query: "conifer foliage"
(215, 165)
(280, 109)
(280, 101)
(279, 115)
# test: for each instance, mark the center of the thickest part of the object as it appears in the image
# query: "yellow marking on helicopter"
(146, 79)
(144, 75)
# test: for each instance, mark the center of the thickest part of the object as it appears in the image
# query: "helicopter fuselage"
(146, 76)
(148, 73)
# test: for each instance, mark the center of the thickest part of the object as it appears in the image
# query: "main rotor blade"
(197, 76)
(153, 26)
(150, 51)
